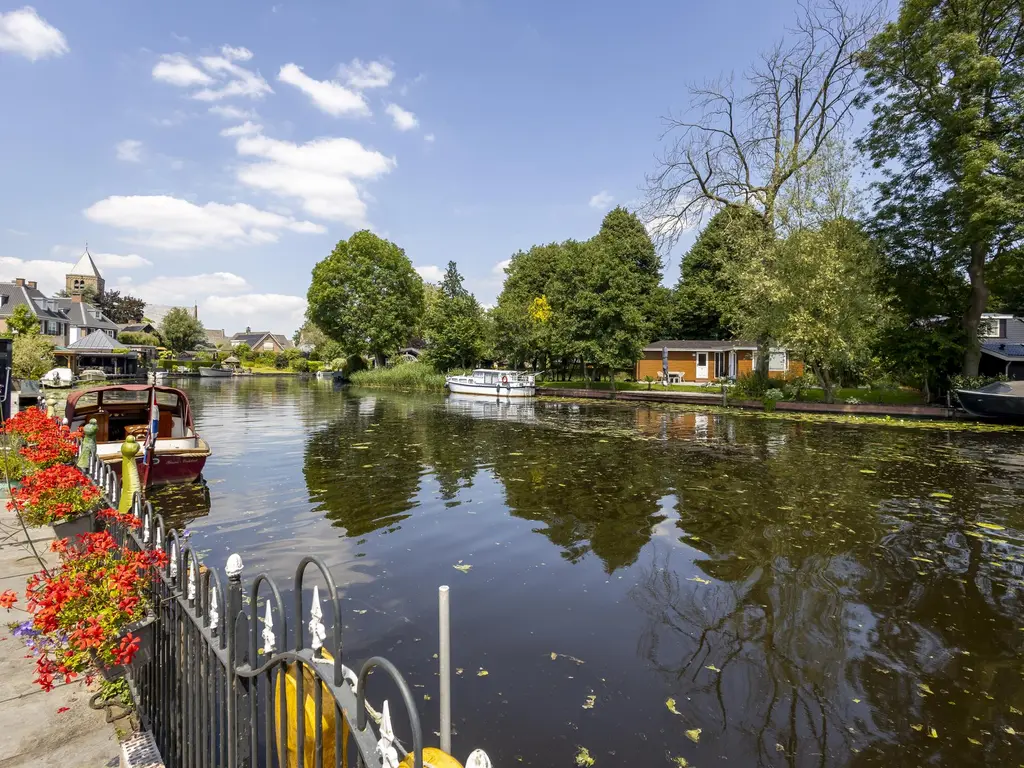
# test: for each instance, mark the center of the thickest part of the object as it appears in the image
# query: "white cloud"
(276, 312)
(500, 267)
(429, 137)
(170, 223)
(129, 150)
(373, 74)
(248, 128)
(49, 274)
(236, 54)
(320, 173)
(186, 289)
(601, 201)
(176, 69)
(404, 120)
(120, 261)
(229, 112)
(431, 273)
(327, 95)
(220, 75)
(25, 33)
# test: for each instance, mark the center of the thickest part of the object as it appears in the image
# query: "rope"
(107, 706)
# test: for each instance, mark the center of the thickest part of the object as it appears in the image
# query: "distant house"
(21, 292)
(703, 360)
(262, 341)
(84, 318)
(216, 338)
(143, 327)
(98, 351)
(1002, 346)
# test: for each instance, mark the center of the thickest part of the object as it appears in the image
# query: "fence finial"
(268, 632)
(214, 613)
(88, 447)
(317, 631)
(386, 743)
(191, 578)
(234, 567)
(174, 559)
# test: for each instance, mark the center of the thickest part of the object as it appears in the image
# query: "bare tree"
(740, 149)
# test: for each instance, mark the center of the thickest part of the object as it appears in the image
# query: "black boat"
(1002, 400)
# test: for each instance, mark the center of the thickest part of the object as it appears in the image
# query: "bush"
(751, 385)
(314, 365)
(280, 361)
(418, 377)
(300, 365)
(353, 364)
(136, 337)
(292, 354)
(771, 397)
(32, 356)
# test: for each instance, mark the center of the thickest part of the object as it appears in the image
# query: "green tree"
(815, 295)
(366, 296)
(32, 356)
(947, 80)
(23, 322)
(453, 324)
(120, 309)
(181, 331)
(135, 337)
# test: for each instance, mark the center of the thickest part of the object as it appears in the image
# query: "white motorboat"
(57, 378)
(484, 381)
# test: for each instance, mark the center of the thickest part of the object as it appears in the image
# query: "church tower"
(85, 277)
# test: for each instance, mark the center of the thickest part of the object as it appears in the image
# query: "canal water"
(656, 586)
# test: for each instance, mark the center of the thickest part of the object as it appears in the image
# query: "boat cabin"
(490, 377)
(125, 410)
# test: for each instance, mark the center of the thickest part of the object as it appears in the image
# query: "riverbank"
(36, 727)
(407, 377)
(720, 399)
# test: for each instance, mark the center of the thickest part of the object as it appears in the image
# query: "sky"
(212, 153)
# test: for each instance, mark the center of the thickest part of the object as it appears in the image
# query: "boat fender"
(504, 380)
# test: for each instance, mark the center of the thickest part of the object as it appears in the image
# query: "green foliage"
(750, 385)
(243, 351)
(366, 296)
(32, 356)
(181, 331)
(353, 364)
(947, 80)
(281, 361)
(139, 338)
(22, 321)
(299, 365)
(120, 309)
(412, 377)
(771, 397)
(453, 325)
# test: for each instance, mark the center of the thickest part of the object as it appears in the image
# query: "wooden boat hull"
(990, 405)
(168, 469)
(512, 389)
(216, 373)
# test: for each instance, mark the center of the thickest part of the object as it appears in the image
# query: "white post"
(444, 657)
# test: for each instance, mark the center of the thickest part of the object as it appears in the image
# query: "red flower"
(62, 710)
(127, 650)
(8, 598)
(89, 636)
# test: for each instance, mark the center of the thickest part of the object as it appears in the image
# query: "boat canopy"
(74, 397)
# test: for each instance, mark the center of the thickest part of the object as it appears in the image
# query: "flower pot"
(69, 529)
(145, 630)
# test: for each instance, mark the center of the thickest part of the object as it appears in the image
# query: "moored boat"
(58, 378)
(158, 417)
(1001, 400)
(216, 373)
(484, 381)
(92, 374)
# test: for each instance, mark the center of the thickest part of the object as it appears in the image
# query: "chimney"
(77, 298)
(31, 284)
(20, 282)
(195, 312)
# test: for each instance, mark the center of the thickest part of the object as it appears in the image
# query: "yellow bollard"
(433, 758)
(309, 707)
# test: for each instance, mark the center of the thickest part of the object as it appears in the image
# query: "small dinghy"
(59, 378)
(1002, 400)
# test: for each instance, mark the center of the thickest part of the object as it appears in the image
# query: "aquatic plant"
(414, 377)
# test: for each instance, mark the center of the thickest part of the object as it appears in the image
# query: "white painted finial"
(159, 544)
(386, 743)
(234, 566)
(478, 759)
(145, 525)
(174, 559)
(268, 632)
(191, 578)
(214, 613)
(317, 631)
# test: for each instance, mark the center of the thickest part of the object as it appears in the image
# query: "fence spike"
(386, 743)
(191, 594)
(268, 632)
(317, 631)
(174, 559)
(478, 759)
(214, 614)
(145, 528)
(159, 543)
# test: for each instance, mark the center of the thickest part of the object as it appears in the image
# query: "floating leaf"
(554, 656)
(990, 526)
(426, 697)
(933, 733)
(713, 668)
(680, 762)
(868, 472)
(589, 703)
(1015, 711)
(694, 735)
(671, 704)
(464, 568)
(699, 580)
(482, 673)
(856, 701)
(923, 687)
(1010, 731)
(940, 495)
(459, 670)
(583, 758)
(974, 741)
(917, 727)
(360, 611)
(922, 559)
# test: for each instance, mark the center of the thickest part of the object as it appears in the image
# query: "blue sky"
(211, 153)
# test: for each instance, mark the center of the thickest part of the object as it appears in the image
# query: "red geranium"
(51, 447)
(55, 494)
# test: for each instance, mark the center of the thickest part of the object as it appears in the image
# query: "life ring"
(504, 380)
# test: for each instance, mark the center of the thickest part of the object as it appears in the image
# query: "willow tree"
(740, 146)
(947, 79)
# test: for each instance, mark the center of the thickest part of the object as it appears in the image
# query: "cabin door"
(702, 366)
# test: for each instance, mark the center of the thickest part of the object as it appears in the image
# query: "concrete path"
(32, 731)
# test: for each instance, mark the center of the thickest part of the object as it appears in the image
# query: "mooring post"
(444, 655)
(88, 446)
(129, 475)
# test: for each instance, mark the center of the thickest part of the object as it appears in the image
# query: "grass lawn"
(268, 369)
(882, 396)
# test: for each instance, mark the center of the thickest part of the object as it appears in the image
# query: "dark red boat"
(158, 417)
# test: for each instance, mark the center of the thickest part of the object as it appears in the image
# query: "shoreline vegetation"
(407, 377)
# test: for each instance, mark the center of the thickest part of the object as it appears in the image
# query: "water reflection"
(807, 593)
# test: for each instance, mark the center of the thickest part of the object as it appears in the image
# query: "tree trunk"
(763, 358)
(379, 361)
(611, 378)
(976, 305)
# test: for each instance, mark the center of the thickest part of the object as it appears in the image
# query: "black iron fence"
(216, 685)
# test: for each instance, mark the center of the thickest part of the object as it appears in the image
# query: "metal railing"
(219, 685)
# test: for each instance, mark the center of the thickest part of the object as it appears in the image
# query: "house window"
(991, 328)
(268, 346)
(4, 300)
(52, 328)
(777, 360)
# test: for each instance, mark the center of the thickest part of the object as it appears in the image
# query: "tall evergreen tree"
(453, 324)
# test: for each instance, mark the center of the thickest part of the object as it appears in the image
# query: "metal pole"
(445, 658)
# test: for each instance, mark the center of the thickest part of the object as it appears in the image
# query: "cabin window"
(992, 328)
(168, 399)
(777, 361)
(87, 400)
(125, 396)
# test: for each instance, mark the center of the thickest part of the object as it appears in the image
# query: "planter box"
(145, 630)
(69, 529)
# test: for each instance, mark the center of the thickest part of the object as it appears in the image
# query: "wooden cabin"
(701, 360)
